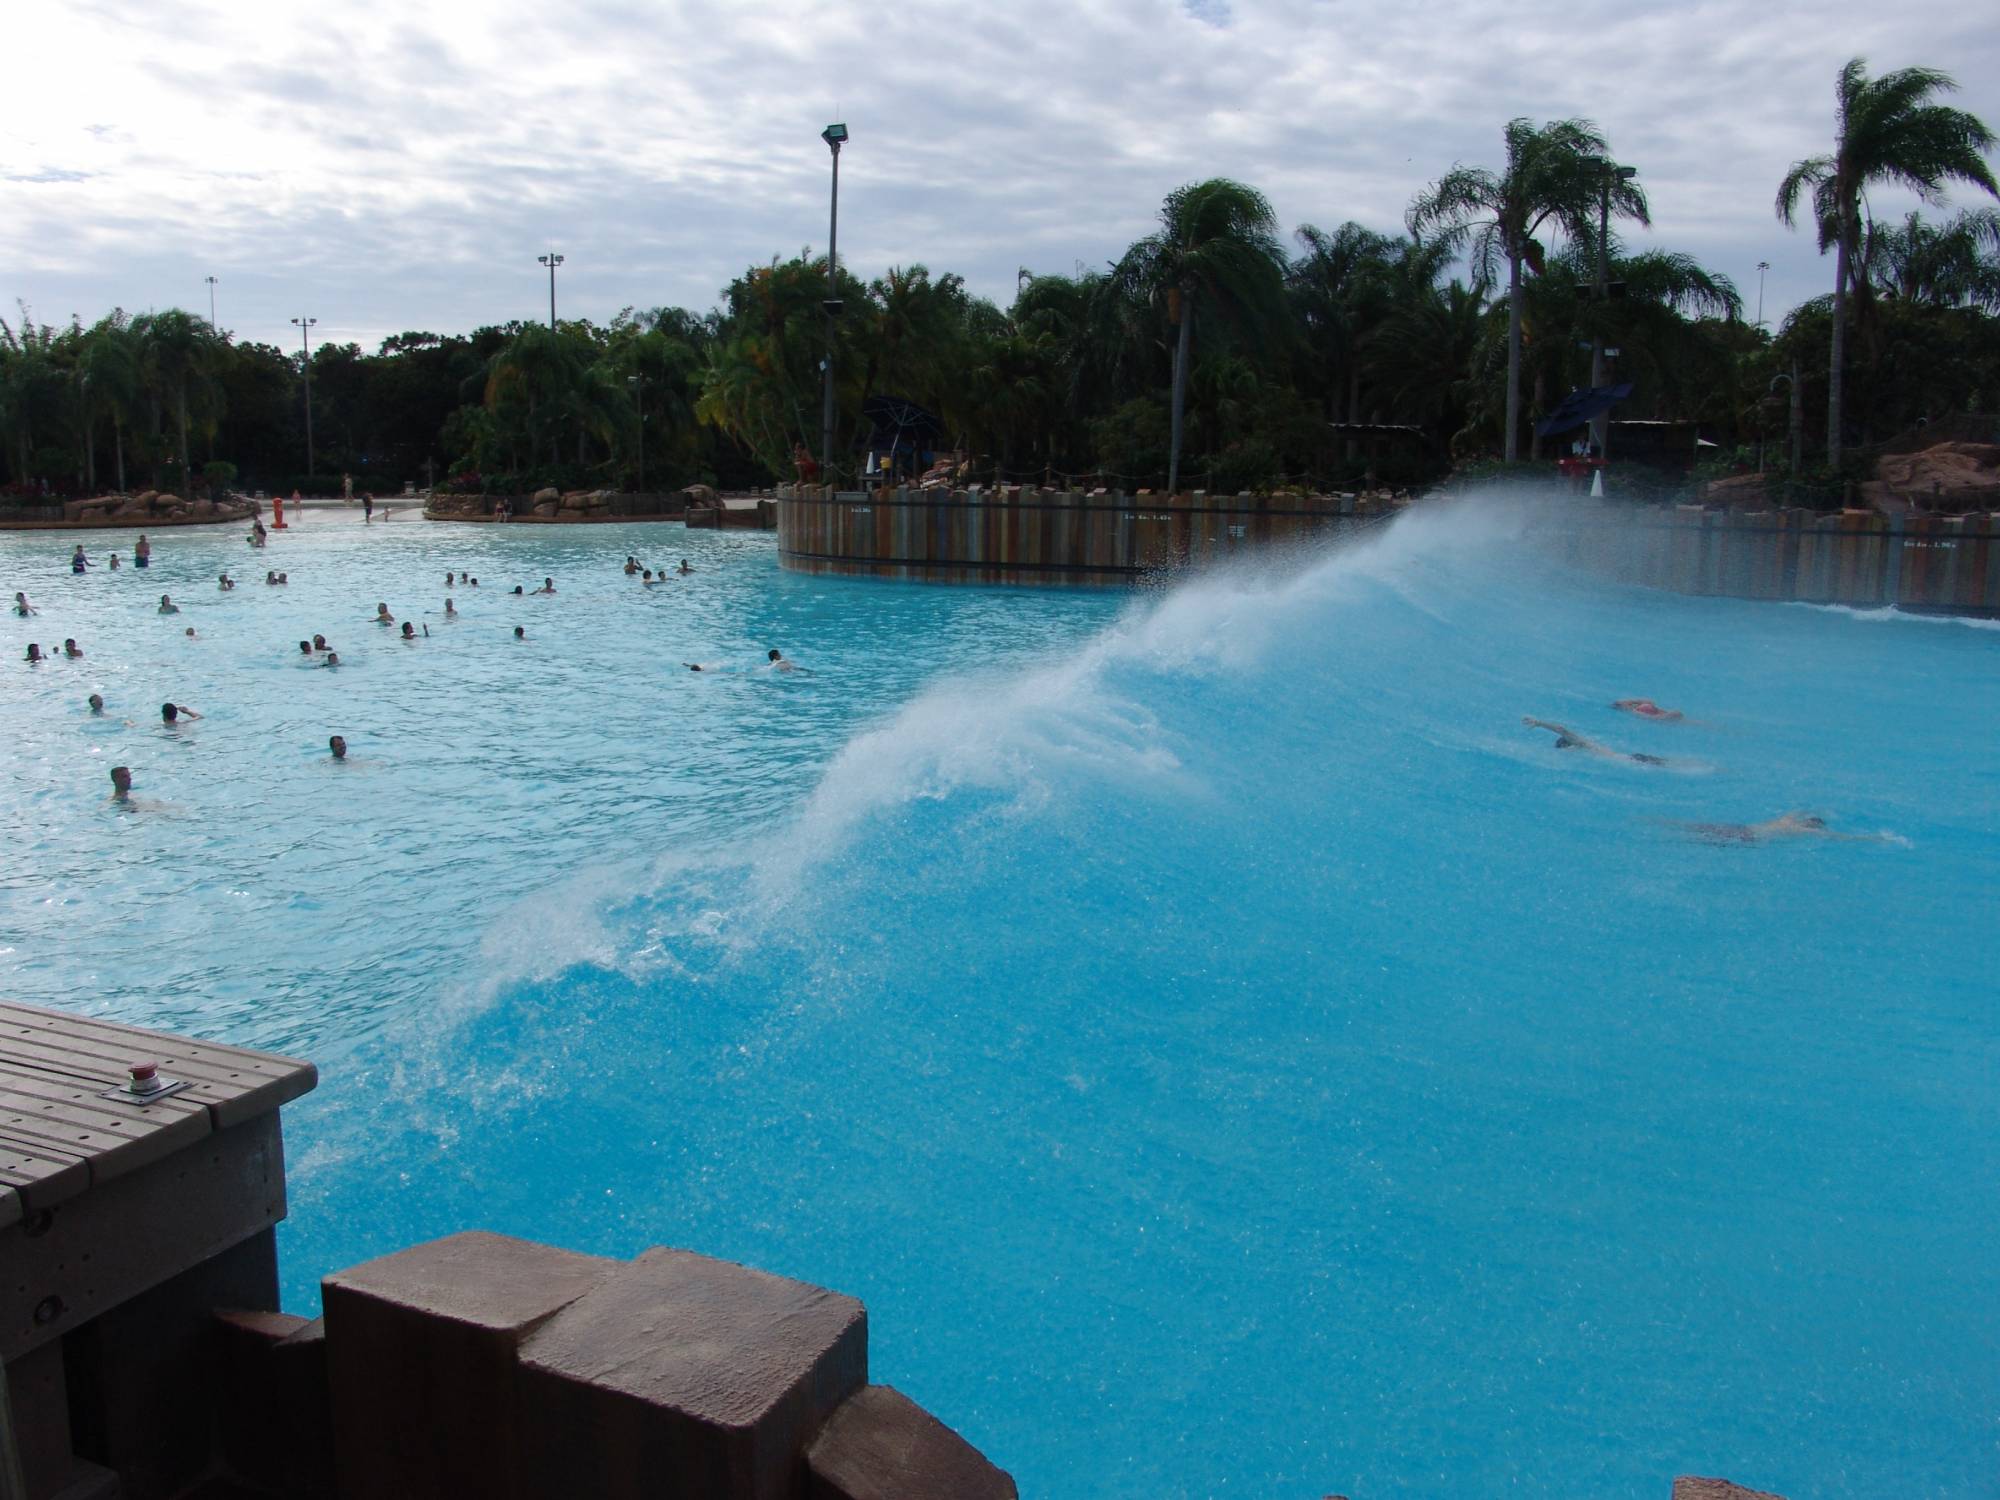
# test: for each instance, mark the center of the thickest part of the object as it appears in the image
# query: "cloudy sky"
(385, 166)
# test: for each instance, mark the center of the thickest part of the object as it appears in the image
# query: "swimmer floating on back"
(1569, 739)
(1791, 825)
(1646, 708)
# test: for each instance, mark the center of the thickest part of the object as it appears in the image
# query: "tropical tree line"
(1216, 352)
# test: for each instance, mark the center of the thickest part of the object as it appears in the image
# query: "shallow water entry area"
(1226, 1050)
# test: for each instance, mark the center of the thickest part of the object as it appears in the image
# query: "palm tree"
(1216, 247)
(1554, 177)
(1953, 264)
(1887, 131)
(112, 380)
(178, 352)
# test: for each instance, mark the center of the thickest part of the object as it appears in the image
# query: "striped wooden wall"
(1947, 564)
(1042, 537)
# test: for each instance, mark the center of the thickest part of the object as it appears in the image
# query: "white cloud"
(386, 167)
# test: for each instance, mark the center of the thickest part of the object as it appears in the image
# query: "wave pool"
(1228, 1052)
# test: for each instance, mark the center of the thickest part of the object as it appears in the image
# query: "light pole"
(306, 366)
(1762, 267)
(551, 260)
(1600, 425)
(835, 137)
(1798, 416)
(211, 280)
(638, 384)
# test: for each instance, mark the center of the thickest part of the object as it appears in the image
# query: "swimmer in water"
(319, 643)
(1646, 708)
(22, 607)
(333, 658)
(168, 607)
(447, 581)
(96, 702)
(121, 783)
(409, 631)
(649, 580)
(338, 745)
(631, 564)
(189, 632)
(517, 588)
(450, 610)
(114, 562)
(173, 713)
(70, 648)
(1568, 739)
(34, 652)
(305, 648)
(548, 586)
(447, 577)
(382, 615)
(224, 583)
(77, 561)
(475, 583)
(684, 568)
(520, 634)
(1792, 825)
(779, 664)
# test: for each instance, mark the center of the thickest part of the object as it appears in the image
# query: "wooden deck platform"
(59, 1135)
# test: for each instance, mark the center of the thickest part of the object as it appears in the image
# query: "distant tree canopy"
(1209, 351)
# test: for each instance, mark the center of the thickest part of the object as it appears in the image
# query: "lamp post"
(1762, 267)
(551, 260)
(638, 384)
(211, 280)
(306, 366)
(1600, 425)
(1791, 378)
(835, 137)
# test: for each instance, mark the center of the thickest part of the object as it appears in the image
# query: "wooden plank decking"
(59, 1137)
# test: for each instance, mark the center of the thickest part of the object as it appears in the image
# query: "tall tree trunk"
(1353, 409)
(90, 458)
(1541, 395)
(1513, 447)
(118, 445)
(1833, 374)
(1180, 393)
(181, 416)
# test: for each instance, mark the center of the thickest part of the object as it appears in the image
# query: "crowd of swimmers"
(316, 649)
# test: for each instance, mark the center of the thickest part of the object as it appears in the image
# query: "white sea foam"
(1889, 612)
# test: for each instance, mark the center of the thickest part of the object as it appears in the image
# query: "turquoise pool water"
(1227, 1051)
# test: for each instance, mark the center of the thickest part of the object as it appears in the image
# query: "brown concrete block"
(681, 1376)
(298, 1369)
(420, 1359)
(249, 1417)
(881, 1445)
(1689, 1487)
